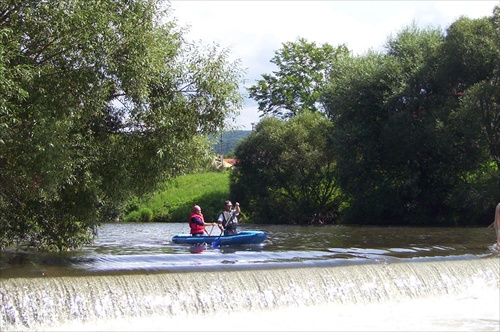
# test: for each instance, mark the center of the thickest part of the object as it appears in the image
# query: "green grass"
(175, 202)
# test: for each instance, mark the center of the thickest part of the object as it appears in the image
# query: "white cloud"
(254, 30)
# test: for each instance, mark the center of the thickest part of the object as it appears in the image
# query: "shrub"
(146, 214)
(143, 215)
(133, 216)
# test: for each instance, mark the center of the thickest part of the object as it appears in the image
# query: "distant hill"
(228, 141)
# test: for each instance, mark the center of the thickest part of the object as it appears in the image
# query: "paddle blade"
(216, 243)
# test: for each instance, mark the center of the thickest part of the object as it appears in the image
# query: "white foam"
(477, 311)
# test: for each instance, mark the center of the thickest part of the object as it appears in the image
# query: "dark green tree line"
(99, 101)
(414, 135)
(403, 155)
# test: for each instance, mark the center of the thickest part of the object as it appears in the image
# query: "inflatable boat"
(243, 237)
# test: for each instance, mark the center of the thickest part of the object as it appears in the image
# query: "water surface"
(333, 278)
(147, 247)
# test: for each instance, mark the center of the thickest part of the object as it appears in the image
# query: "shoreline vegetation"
(174, 203)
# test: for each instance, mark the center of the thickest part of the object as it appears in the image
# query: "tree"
(99, 101)
(403, 155)
(389, 154)
(286, 172)
(471, 78)
(369, 173)
(303, 69)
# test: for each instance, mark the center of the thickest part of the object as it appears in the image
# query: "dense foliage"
(414, 133)
(406, 154)
(296, 86)
(286, 171)
(99, 101)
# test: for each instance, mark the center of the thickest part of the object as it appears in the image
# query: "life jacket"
(229, 223)
(195, 228)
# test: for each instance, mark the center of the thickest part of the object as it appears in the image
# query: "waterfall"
(45, 303)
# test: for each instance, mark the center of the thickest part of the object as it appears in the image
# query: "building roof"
(230, 161)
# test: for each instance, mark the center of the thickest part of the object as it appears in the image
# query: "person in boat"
(197, 222)
(228, 219)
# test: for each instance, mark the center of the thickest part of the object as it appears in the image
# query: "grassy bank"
(174, 204)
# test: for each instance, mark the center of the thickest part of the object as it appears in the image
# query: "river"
(324, 278)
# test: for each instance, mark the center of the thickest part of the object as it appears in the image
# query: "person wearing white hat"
(228, 219)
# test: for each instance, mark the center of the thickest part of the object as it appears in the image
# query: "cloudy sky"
(254, 30)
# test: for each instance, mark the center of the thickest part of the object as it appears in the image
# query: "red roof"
(230, 161)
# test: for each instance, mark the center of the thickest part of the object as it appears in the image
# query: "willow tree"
(99, 101)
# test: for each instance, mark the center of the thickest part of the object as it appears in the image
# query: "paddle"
(216, 243)
(211, 229)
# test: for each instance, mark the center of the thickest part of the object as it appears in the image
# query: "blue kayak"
(244, 237)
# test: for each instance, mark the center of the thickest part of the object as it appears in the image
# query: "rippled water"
(137, 247)
(133, 278)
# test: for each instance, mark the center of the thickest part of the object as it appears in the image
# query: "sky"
(253, 31)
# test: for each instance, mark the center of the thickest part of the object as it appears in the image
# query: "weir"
(42, 303)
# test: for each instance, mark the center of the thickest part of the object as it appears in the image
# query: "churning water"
(300, 279)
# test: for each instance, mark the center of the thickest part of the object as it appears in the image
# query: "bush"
(143, 215)
(146, 214)
(133, 216)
